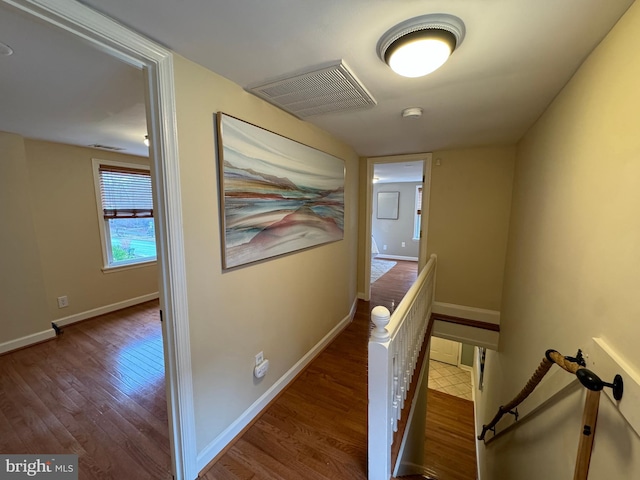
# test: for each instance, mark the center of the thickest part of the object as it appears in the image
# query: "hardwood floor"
(450, 444)
(393, 285)
(98, 391)
(317, 428)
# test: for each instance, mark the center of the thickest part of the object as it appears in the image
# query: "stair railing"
(394, 348)
(594, 385)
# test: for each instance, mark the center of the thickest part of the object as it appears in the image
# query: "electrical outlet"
(261, 369)
(259, 358)
(63, 301)
(384, 247)
(404, 244)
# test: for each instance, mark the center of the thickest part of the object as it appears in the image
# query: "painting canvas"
(277, 196)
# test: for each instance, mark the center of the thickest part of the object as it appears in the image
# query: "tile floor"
(450, 379)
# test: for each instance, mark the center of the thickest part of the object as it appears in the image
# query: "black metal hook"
(591, 381)
(579, 359)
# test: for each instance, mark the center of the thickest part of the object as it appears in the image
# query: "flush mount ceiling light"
(421, 45)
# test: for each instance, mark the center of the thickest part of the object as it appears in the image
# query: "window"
(125, 210)
(418, 213)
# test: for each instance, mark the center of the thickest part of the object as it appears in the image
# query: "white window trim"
(102, 224)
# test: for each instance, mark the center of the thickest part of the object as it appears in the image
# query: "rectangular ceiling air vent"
(327, 89)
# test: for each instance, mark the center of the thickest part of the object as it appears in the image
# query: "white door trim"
(130, 47)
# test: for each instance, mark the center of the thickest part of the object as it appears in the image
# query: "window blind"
(125, 192)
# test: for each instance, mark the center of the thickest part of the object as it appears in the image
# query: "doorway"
(397, 211)
(450, 371)
(90, 27)
(445, 351)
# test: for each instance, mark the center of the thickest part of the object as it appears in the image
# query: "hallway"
(317, 428)
(98, 390)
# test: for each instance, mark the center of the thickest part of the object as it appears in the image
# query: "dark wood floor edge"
(467, 322)
(229, 445)
(402, 424)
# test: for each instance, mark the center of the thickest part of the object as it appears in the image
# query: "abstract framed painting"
(277, 196)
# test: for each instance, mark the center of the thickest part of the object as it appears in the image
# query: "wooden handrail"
(563, 392)
(589, 380)
(569, 364)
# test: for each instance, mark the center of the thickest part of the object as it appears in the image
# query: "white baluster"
(394, 396)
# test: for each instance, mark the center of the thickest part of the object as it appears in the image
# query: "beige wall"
(23, 308)
(66, 221)
(283, 306)
(573, 260)
(470, 201)
(469, 209)
(52, 233)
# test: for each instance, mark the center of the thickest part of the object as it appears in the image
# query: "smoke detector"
(412, 112)
(5, 50)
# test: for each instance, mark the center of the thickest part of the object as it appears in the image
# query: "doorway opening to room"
(397, 212)
(82, 29)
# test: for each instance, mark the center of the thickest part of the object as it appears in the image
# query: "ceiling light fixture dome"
(421, 45)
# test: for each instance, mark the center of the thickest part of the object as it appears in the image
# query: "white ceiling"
(516, 56)
(55, 87)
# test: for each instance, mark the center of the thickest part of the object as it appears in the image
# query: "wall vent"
(326, 89)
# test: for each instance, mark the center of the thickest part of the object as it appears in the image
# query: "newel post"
(380, 317)
(380, 428)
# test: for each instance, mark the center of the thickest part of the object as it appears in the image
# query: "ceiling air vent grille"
(328, 89)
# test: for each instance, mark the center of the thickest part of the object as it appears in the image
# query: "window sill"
(132, 266)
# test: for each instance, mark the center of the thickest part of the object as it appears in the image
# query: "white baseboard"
(222, 440)
(396, 257)
(466, 368)
(27, 340)
(471, 313)
(78, 317)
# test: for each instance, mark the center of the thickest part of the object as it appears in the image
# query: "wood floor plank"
(96, 390)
